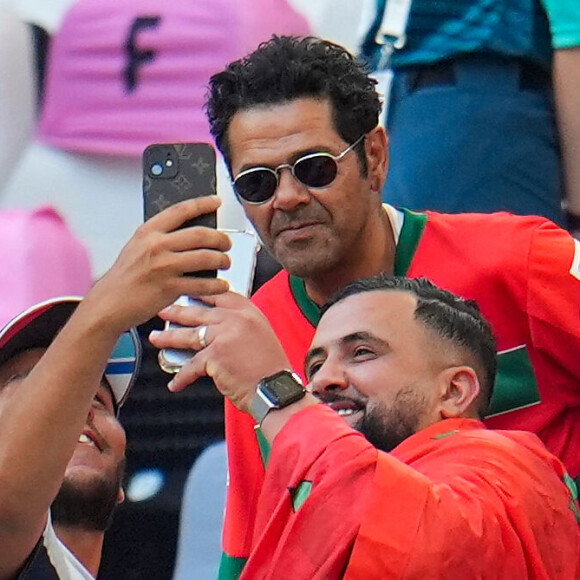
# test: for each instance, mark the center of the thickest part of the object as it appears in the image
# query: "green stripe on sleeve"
(230, 567)
(300, 494)
(515, 383)
(263, 445)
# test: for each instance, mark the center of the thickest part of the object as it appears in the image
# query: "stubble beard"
(387, 427)
(309, 259)
(88, 506)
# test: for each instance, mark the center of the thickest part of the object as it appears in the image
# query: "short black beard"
(386, 427)
(88, 507)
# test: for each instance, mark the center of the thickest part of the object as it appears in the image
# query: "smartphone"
(174, 172)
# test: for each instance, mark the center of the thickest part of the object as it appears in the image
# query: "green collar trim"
(309, 308)
(411, 232)
(446, 434)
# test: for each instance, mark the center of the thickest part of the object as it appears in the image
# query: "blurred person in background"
(484, 110)
(45, 427)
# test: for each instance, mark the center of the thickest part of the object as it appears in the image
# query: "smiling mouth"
(346, 412)
(88, 438)
(344, 407)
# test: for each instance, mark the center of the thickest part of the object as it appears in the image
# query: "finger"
(194, 286)
(230, 300)
(201, 260)
(188, 374)
(194, 237)
(186, 338)
(210, 309)
(188, 315)
(176, 215)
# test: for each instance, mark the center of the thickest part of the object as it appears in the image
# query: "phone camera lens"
(156, 169)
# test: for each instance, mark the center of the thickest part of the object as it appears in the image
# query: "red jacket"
(453, 501)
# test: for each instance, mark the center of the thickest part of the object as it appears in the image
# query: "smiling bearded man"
(72, 540)
(412, 367)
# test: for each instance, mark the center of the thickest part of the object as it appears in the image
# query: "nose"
(329, 378)
(91, 415)
(290, 192)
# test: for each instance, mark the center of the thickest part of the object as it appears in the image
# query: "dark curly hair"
(454, 319)
(286, 68)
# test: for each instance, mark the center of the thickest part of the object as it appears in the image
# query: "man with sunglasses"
(91, 488)
(297, 123)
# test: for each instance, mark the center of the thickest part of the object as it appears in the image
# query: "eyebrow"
(352, 338)
(313, 353)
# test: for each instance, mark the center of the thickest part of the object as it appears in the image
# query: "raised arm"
(42, 417)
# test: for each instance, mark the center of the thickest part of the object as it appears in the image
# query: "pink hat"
(124, 74)
(40, 259)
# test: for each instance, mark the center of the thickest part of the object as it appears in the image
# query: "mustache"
(330, 398)
(282, 220)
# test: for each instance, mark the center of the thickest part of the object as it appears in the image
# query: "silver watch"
(276, 392)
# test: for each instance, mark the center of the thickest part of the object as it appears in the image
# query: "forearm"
(325, 468)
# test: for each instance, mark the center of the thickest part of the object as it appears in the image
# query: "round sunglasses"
(316, 170)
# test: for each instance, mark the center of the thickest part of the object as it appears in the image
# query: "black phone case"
(191, 173)
(174, 172)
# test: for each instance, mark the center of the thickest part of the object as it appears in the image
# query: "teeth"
(344, 412)
(83, 438)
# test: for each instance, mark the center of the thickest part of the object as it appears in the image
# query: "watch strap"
(259, 407)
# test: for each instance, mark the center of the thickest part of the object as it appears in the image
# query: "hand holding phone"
(240, 275)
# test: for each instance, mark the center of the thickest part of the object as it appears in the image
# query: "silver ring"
(201, 332)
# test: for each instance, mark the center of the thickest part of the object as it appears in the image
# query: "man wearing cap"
(91, 487)
(60, 391)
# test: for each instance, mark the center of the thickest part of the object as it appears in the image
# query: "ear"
(376, 148)
(120, 496)
(459, 391)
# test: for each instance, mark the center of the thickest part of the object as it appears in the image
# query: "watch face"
(282, 389)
